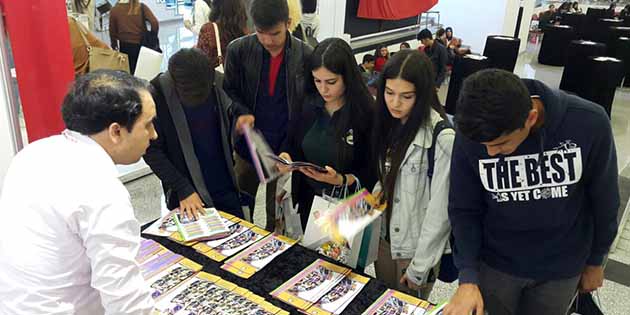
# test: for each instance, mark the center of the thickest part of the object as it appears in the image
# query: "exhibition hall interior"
(415, 157)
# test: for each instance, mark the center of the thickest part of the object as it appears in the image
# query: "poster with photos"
(337, 299)
(172, 277)
(234, 230)
(257, 256)
(397, 303)
(311, 284)
(159, 263)
(236, 244)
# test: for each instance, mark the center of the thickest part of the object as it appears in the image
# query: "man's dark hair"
(425, 34)
(309, 6)
(100, 98)
(269, 13)
(368, 58)
(405, 44)
(492, 103)
(192, 75)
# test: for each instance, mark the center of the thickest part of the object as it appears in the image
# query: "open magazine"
(265, 161)
(208, 226)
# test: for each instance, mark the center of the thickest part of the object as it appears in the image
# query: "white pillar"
(332, 18)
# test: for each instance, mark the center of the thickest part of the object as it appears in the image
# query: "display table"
(622, 50)
(281, 269)
(614, 34)
(575, 20)
(462, 68)
(603, 29)
(502, 51)
(605, 75)
(553, 50)
(577, 58)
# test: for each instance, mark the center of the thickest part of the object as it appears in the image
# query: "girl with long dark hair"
(382, 54)
(231, 20)
(416, 219)
(332, 129)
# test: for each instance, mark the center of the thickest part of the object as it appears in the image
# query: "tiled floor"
(615, 297)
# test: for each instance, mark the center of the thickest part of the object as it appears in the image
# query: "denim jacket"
(419, 227)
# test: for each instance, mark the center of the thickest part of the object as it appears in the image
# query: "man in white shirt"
(70, 236)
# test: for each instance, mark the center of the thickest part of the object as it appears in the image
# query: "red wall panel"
(40, 40)
(393, 9)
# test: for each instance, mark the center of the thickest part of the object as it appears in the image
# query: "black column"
(502, 51)
(553, 50)
(622, 49)
(462, 68)
(573, 76)
(605, 74)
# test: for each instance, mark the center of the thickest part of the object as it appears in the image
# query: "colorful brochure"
(310, 285)
(148, 248)
(257, 256)
(394, 302)
(337, 299)
(208, 226)
(172, 277)
(234, 245)
(158, 263)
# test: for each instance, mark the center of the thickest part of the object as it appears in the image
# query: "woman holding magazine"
(332, 130)
(410, 126)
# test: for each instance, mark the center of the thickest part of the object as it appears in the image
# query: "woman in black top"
(333, 128)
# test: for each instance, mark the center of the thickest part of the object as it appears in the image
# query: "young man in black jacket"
(193, 154)
(438, 54)
(264, 76)
(534, 196)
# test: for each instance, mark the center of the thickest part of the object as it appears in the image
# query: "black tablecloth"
(502, 51)
(281, 269)
(603, 28)
(553, 50)
(622, 50)
(462, 68)
(576, 67)
(605, 76)
(575, 20)
(615, 33)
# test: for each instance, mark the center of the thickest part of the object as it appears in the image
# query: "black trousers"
(132, 50)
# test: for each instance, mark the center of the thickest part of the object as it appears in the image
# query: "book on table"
(207, 227)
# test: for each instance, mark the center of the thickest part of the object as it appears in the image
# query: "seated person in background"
(612, 10)
(382, 54)
(575, 8)
(546, 18)
(72, 248)
(193, 153)
(79, 35)
(404, 45)
(437, 53)
(333, 128)
(625, 13)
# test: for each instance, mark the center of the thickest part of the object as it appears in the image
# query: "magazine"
(208, 226)
(256, 257)
(309, 286)
(233, 244)
(296, 165)
(397, 303)
(337, 299)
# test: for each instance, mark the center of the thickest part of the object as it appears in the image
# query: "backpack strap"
(439, 127)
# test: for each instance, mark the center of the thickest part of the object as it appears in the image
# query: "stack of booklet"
(394, 302)
(257, 256)
(179, 288)
(242, 234)
(321, 288)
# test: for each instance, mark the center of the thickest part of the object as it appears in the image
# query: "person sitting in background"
(333, 127)
(200, 16)
(192, 155)
(404, 45)
(126, 28)
(367, 68)
(625, 13)
(80, 49)
(437, 53)
(565, 7)
(546, 18)
(575, 7)
(73, 248)
(612, 10)
(231, 20)
(382, 54)
(454, 44)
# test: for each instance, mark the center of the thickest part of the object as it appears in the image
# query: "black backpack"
(448, 270)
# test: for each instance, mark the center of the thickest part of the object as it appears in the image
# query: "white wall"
(332, 18)
(7, 144)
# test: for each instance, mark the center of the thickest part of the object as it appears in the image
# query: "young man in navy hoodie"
(534, 196)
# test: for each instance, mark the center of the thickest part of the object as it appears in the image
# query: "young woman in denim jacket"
(416, 228)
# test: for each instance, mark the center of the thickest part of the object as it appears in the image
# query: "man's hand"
(592, 279)
(466, 300)
(284, 168)
(244, 120)
(404, 280)
(192, 206)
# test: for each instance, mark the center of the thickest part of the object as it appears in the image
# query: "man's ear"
(532, 118)
(114, 131)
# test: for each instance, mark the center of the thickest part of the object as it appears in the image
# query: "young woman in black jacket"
(333, 129)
